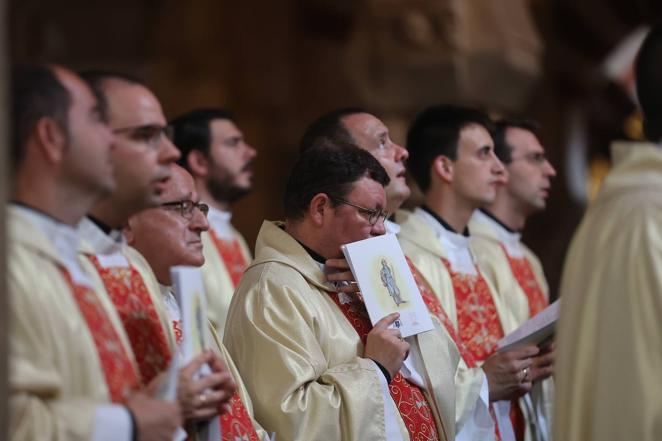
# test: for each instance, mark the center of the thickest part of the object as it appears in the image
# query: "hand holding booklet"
(537, 330)
(386, 283)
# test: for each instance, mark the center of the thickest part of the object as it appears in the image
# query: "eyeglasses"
(150, 134)
(535, 158)
(185, 208)
(374, 216)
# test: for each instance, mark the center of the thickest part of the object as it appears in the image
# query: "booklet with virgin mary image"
(386, 283)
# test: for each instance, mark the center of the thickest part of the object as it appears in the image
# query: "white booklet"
(535, 330)
(386, 283)
(190, 294)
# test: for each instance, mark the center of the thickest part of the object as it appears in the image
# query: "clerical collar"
(314, 254)
(63, 237)
(219, 221)
(497, 220)
(37, 211)
(392, 227)
(108, 247)
(442, 222)
(99, 223)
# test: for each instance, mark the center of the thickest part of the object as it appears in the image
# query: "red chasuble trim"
(526, 278)
(479, 326)
(127, 290)
(412, 404)
(236, 425)
(232, 256)
(434, 306)
(121, 377)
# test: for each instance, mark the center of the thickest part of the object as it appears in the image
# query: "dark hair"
(329, 126)
(435, 132)
(192, 131)
(502, 149)
(649, 88)
(95, 78)
(328, 168)
(36, 92)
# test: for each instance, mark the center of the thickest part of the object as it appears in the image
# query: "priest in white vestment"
(318, 369)
(216, 153)
(72, 371)
(609, 341)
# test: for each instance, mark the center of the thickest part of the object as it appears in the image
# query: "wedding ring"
(526, 374)
(202, 398)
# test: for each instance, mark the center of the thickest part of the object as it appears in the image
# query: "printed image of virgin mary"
(386, 276)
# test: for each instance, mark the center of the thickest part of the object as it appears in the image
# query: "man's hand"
(204, 398)
(385, 346)
(341, 276)
(509, 373)
(543, 363)
(155, 420)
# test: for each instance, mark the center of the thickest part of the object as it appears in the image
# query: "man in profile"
(215, 152)
(72, 371)
(609, 339)
(314, 346)
(170, 235)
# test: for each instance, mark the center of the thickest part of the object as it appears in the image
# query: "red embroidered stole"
(479, 326)
(237, 423)
(121, 377)
(434, 306)
(232, 256)
(523, 272)
(128, 293)
(177, 329)
(410, 401)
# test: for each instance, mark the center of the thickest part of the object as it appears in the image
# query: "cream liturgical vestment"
(428, 245)
(226, 258)
(61, 378)
(147, 327)
(500, 252)
(609, 362)
(302, 360)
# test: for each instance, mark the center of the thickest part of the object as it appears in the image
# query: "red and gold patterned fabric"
(232, 256)
(121, 377)
(479, 326)
(410, 401)
(526, 278)
(129, 294)
(236, 424)
(434, 306)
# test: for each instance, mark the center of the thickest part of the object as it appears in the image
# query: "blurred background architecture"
(279, 64)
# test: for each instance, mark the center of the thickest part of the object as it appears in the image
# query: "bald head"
(170, 234)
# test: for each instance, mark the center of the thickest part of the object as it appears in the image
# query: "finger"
(524, 387)
(213, 381)
(212, 399)
(196, 363)
(343, 276)
(337, 263)
(349, 288)
(525, 351)
(544, 360)
(216, 364)
(154, 385)
(387, 321)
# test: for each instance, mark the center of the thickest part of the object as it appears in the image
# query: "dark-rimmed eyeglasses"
(373, 216)
(186, 207)
(150, 134)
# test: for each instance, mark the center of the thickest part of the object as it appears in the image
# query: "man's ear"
(128, 233)
(443, 168)
(51, 139)
(198, 163)
(319, 208)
